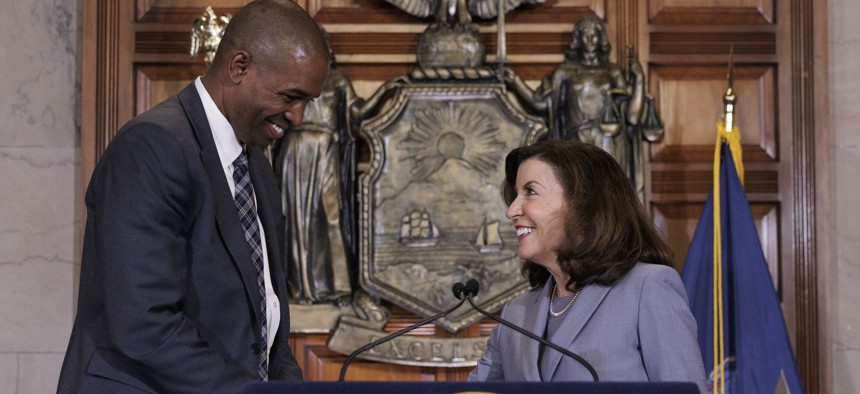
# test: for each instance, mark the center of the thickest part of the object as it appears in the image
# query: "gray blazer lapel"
(575, 319)
(534, 321)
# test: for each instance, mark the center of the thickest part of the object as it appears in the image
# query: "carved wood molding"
(803, 31)
(380, 12)
(626, 26)
(701, 181)
(172, 45)
(106, 80)
(698, 43)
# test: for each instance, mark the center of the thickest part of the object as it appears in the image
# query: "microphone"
(471, 289)
(459, 291)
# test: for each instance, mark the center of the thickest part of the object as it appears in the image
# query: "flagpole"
(719, 344)
(727, 129)
(724, 135)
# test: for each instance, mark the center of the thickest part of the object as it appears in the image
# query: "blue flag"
(753, 346)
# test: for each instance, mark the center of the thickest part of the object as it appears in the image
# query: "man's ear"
(239, 64)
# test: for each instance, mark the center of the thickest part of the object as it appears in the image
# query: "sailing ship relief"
(416, 230)
(489, 237)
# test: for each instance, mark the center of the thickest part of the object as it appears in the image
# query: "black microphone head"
(472, 287)
(459, 289)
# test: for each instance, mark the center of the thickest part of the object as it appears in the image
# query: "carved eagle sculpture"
(457, 11)
(206, 33)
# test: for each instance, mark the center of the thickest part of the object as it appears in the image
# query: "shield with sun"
(431, 213)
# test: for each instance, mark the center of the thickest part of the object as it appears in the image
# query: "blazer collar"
(576, 318)
(225, 209)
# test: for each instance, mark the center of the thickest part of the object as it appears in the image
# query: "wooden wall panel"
(690, 102)
(321, 364)
(181, 11)
(155, 83)
(715, 12)
(679, 222)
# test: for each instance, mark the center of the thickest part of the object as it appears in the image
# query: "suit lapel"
(575, 319)
(225, 209)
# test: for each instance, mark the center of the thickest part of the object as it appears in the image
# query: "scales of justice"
(425, 211)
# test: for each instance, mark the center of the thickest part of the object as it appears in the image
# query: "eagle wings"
(462, 10)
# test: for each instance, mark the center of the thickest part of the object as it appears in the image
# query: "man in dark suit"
(182, 277)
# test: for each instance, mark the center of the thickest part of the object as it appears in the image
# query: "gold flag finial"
(729, 99)
(726, 130)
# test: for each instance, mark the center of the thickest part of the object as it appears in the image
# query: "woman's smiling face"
(538, 213)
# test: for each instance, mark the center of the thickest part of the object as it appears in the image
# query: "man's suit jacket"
(640, 328)
(169, 300)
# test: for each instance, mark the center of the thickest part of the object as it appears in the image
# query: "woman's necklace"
(569, 303)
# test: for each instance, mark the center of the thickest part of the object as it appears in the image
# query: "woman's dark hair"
(606, 227)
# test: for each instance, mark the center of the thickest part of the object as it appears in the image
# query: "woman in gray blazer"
(603, 285)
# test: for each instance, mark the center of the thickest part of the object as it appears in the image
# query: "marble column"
(39, 119)
(844, 70)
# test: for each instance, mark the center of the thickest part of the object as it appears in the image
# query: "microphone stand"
(472, 288)
(459, 289)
